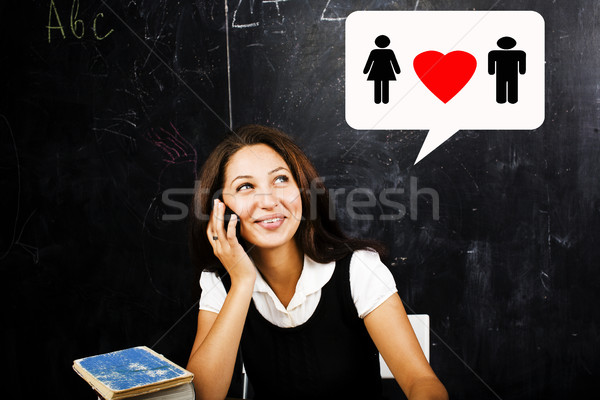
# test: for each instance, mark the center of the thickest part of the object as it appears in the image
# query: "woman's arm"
(395, 339)
(213, 355)
(215, 348)
(369, 63)
(394, 62)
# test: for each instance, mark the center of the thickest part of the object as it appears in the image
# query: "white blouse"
(371, 283)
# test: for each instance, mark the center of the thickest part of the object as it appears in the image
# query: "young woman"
(309, 306)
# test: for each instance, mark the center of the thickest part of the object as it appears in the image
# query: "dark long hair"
(318, 235)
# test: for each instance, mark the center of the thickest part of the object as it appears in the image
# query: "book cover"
(130, 372)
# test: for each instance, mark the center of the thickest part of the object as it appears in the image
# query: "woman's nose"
(266, 200)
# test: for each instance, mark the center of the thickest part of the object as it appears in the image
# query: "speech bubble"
(454, 68)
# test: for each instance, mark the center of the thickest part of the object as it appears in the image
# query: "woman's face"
(260, 189)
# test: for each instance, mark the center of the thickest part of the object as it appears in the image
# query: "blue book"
(131, 372)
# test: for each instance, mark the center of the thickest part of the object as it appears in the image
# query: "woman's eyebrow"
(250, 176)
(240, 177)
(278, 169)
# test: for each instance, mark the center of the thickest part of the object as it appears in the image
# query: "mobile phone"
(227, 217)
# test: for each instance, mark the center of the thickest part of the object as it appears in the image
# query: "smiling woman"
(318, 233)
(310, 307)
(261, 190)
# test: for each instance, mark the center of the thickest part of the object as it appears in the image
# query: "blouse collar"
(313, 277)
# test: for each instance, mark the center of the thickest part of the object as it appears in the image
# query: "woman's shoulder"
(367, 255)
(371, 282)
(366, 268)
(213, 292)
(209, 279)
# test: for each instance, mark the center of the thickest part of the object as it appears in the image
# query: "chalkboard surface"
(108, 108)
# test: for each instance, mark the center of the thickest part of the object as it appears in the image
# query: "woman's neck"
(281, 268)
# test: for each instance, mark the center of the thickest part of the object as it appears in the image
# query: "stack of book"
(135, 373)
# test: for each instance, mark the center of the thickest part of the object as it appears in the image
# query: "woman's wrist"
(243, 281)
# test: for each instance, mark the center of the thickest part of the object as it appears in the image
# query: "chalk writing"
(50, 26)
(244, 15)
(174, 146)
(94, 28)
(16, 240)
(235, 23)
(326, 15)
(76, 24)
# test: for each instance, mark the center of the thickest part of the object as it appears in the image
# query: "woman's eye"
(281, 178)
(243, 186)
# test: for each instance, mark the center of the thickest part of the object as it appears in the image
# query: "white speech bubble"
(412, 105)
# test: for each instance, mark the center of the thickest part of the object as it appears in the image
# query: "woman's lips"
(271, 222)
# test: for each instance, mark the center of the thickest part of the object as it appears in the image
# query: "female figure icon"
(383, 68)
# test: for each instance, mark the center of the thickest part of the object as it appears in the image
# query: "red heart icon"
(445, 75)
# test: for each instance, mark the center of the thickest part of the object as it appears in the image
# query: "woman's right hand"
(227, 248)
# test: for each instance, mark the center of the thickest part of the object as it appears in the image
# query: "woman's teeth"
(270, 221)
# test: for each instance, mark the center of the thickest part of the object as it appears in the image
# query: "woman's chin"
(262, 245)
(269, 243)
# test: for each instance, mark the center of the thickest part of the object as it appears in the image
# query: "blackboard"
(109, 107)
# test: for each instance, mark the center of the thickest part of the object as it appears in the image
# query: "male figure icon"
(383, 68)
(507, 65)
